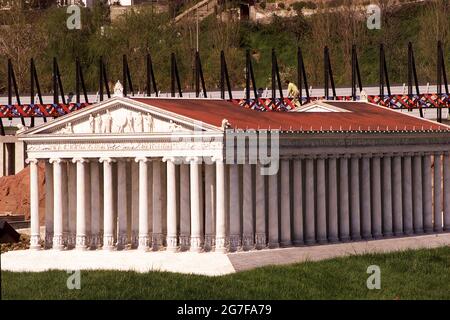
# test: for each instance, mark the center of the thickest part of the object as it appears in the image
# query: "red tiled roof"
(363, 116)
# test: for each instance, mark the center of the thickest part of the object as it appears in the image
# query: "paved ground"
(210, 264)
(252, 259)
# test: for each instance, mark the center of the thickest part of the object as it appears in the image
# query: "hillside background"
(42, 34)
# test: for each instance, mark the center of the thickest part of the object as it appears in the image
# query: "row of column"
(339, 198)
(107, 205)
(310, 200)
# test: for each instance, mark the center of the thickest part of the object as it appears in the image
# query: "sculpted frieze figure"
(130, 122)
(149, 122)
(107, 122)
(91, 124)
(139, 122)
(98, 123)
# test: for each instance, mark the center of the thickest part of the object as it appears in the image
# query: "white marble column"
(108, 199)
(157, 232)
(210, 206)
(321, 202)
(437, 227)
(273, 211)
(355, 210)
(310, 233)
(185, 207)
(407, 195)
(35, 235)
(58, 243)
(122, 205)
(134, 204)
(446, 191)
(144, 237)
(95, 203)
(48, 204)
(366, 212)
(81, 236)
(332, 209)
(427, 194)
(196, 236)
(235, 208)
(397, 197)
(69, 221)
(247, 207)
(260, 209)
(70, 184)
(344, 206)
(376, 207)
(221, 216)
(285, 221)
(172, 234)
(417, 194)
(297, 218)
(386, 195)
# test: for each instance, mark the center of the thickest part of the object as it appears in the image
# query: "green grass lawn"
(422, 274)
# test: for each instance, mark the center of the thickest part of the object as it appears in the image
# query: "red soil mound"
(15, 193)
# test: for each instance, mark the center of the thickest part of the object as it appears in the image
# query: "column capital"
(106, 159)
(217, 159)
(195, 160)
(173, 159)
(142, 159)
(80, 160)
(31, 160)
(55, 160)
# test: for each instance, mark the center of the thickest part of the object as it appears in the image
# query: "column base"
(309, 242)
(260, 241)
(196, 244)
(81, 242)
(58, 242)
(143, 243)
(247, 242)
(220, 245)
(35, 242)
(273, 245)
(298, 243)
(108, 243)
(356, 238)
(367, 237)
(285, 244)
(344, 239)
(322, 241)
(172, 243)
(398, 233)
(333, 240)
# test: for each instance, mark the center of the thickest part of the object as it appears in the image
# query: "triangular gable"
(319, 106)
(120, 116)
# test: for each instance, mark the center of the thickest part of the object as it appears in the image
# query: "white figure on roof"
(118, 89)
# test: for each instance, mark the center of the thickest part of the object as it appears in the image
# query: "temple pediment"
(120, 116)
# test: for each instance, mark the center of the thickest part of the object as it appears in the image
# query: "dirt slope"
(15, 193)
